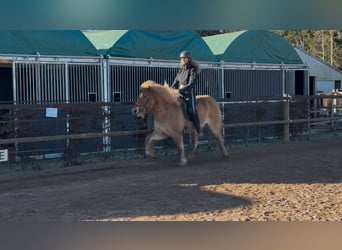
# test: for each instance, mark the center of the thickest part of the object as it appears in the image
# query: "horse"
(170, 121)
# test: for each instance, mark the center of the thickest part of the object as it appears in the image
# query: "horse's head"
(139, 112)
(144, 102)
(154, 96)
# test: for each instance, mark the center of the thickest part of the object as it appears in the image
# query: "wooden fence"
(70, 130)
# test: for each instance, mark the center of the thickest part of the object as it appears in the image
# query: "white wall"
(318, 68)
(325, 86)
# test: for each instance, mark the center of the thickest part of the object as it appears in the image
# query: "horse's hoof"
(182, 163)
(148, 156)
(226, 156)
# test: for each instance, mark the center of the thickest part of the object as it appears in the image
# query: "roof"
(318, 67)
(259, 46)
(165, 45)
(46, 42)
(243, 46)
(160, 45)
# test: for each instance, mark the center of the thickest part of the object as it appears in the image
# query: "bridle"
(147, 100)
(142, 106)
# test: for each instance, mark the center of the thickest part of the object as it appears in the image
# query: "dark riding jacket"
(186, 79)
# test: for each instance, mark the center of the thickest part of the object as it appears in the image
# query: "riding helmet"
(185, 53)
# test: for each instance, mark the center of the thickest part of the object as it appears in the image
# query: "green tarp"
(241, 47)
(259, 46)
(116, 43)
(160, 45)
(104, 39)
(46, 42)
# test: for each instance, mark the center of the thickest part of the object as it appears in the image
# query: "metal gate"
(45, 82)
(53, 80)
(125, 78)
(52, 83)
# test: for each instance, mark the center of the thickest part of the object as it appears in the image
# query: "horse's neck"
(162, 106)
(159, 104)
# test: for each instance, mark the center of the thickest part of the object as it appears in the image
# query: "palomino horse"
(169, 119)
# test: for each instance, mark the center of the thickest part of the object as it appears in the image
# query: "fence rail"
(104, 127)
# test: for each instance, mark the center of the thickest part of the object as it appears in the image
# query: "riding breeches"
(189, 99)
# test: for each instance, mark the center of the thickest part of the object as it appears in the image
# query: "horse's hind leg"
(222, 146)
(217, 132)
(193, 146)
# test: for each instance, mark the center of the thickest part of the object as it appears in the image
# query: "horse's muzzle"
(139, 112)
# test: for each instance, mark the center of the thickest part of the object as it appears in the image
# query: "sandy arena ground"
(298, 181)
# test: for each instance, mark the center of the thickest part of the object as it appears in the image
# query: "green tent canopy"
(46, 42)
(116, 43)
(244, 46)
(156, 44)
(259, 46)
(104, 39)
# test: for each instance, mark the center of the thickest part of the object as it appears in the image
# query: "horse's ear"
(166, 84)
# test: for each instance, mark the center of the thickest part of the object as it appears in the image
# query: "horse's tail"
(210, 114)
(216, 111)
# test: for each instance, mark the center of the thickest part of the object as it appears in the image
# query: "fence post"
(106, 140)
(312, 107)
(286, 117)
(332, 104)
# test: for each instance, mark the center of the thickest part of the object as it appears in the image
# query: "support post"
(286, 117)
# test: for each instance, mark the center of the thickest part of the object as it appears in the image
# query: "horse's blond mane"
(164, 92)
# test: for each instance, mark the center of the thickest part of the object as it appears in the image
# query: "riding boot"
(192, 113)
(197, 125)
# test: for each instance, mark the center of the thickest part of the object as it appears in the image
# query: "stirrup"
(200, 133)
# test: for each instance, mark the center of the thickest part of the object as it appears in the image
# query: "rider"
(185, 81)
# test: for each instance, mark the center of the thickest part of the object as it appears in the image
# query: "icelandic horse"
(169, 119)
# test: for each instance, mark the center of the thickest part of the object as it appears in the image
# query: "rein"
(146, 103)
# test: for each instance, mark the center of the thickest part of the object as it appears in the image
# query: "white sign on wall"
(51, 112)
(3, 155)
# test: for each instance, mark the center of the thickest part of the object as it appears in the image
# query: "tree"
(324, 44)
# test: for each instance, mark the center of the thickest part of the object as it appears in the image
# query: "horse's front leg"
(156, 135)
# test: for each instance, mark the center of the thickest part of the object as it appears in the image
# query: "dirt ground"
(297, 181)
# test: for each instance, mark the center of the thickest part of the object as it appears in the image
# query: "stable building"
(259, 63)
(59, 67)
(324, 78)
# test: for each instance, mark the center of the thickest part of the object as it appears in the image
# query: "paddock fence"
(70, 132)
